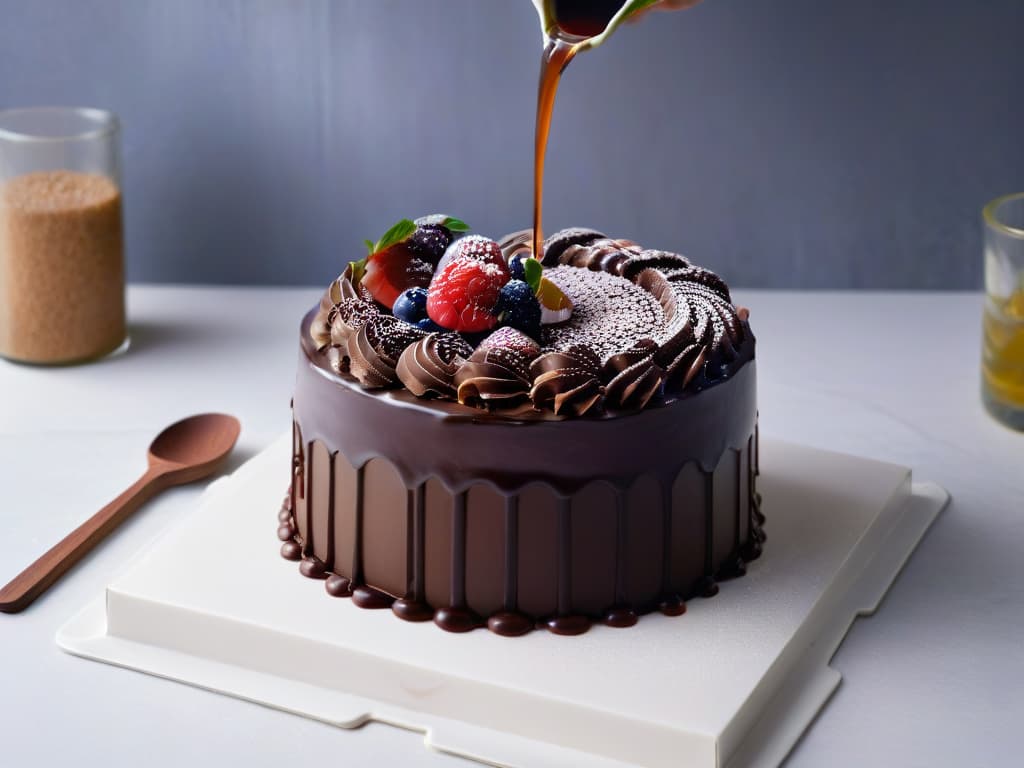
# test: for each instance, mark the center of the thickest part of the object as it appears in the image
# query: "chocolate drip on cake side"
(413, 607)
(509, 619)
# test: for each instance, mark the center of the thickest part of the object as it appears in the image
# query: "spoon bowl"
(185, 451)
(193, 446)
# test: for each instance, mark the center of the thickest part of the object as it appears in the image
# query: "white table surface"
(935, 678)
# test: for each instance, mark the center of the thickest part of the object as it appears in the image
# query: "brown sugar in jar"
(61, 267)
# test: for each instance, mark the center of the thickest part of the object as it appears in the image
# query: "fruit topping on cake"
(595, 324)
(433, 235)
(474, 248)
(555, 305)
(519, 308)
(411, 305)
(392, 266)
(464, 294)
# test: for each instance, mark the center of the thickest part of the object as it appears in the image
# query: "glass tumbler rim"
(101, 123)
(991, 216)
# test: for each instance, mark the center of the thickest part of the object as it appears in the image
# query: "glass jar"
(1002, 359)
(62, 279)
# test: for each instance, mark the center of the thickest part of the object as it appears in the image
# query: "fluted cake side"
(444, 513)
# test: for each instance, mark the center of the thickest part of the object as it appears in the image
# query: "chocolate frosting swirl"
(556, 245)
(338, 291)
(428, 367)
(497, 376)
(694, 274)
(633, 376)
(374, 350)
(567, 382)
(607, 254)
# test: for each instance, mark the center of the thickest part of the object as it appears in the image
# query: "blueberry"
(518, 308)
(516, 268)
(429, 325)
(411, 305)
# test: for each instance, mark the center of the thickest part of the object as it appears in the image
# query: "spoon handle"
(38, 577)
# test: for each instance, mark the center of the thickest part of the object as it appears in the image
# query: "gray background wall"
(786, 143)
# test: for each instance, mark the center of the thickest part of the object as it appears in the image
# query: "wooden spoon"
(185, 451)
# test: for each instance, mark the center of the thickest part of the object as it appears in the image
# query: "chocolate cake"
(588, 457)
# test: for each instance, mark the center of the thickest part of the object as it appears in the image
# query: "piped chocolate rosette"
(595, 326)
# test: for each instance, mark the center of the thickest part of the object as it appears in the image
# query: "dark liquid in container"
(585, 18)
(575, 21)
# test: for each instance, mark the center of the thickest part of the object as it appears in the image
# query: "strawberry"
(392, 266)
(464, 294)
(512, 339)
(394, 270)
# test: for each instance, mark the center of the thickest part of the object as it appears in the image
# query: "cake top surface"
(596, 327)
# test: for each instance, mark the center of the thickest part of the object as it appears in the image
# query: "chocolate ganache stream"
(602, 471)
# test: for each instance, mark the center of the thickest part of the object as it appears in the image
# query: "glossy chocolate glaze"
(442, 511)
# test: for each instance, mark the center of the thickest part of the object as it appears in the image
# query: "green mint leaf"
(534, 271)
(358, 270)
(396, 234)
(455, 225)
(369, 246)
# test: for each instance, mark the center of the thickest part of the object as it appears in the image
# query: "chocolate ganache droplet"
(567, 382)
(428, 367)
(375, 348)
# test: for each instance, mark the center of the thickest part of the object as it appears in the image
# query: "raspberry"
(464, 294)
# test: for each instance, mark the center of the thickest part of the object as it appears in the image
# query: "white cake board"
(733, 682)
